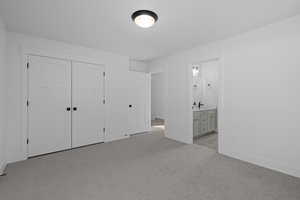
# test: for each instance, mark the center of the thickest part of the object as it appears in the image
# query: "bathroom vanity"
(205, 121)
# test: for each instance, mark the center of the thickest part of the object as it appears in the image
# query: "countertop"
(204, 109)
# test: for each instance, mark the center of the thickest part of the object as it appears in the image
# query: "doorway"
(157, 101)
(139, 103)
(205, 97)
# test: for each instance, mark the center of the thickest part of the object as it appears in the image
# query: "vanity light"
(144, 18)
(195, 71)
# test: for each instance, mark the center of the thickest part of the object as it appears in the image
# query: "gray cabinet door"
(196, 127)
(196, 114)
(203, 127)
(204, 122)
(211, 121)
(204, 116)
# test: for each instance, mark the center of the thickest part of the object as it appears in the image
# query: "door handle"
(74, 108)
(68, 108)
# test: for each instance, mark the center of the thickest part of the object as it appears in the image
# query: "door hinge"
(27, 141)
(27, 65)
(27, 103)
(103, 73)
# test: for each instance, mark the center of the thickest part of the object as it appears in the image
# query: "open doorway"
(157, 101)
(205, 97)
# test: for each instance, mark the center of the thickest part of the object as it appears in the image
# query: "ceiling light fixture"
(144, 18)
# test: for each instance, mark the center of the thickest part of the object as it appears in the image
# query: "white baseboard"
(23, 156)
(181, 140)
(265, 162)
(2, 168)
(110, 139)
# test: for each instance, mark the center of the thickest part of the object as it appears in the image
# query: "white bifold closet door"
(49, 95)
(88, 106)
(66, 107)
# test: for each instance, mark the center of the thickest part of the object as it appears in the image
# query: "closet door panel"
(87, 101)
(49, 92)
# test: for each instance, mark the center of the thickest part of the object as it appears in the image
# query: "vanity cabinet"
(205, 121)
(212, 120)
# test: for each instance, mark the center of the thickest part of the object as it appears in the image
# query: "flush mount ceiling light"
(144, 18)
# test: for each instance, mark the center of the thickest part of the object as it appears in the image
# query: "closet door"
(87, 101)
(49, 92)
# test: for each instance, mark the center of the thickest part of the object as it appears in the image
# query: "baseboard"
(264, 162)
(116, 138)
(180, 140)
(2, 168)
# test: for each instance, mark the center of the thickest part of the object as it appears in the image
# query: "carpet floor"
(144, 167)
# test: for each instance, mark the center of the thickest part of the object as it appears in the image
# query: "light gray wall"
(138, 66)
(259, 99)
(3, 94)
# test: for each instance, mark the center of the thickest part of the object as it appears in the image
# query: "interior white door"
(139, 103)
(49, 92)
(87, 100)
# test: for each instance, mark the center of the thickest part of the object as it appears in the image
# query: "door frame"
(147, 105)
(220, 108)
(25, 96)
(163, 74)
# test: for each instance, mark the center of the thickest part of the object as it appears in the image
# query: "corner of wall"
(2, 168)
(3, 96)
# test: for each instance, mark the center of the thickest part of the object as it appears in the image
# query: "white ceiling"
(106, 24)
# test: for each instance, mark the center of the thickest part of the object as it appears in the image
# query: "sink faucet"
(200, 104)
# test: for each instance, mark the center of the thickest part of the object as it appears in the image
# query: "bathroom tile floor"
(210, 140)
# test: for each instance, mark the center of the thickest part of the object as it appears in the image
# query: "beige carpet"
(144, 167)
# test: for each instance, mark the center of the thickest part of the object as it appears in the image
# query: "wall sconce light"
(195, 71)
